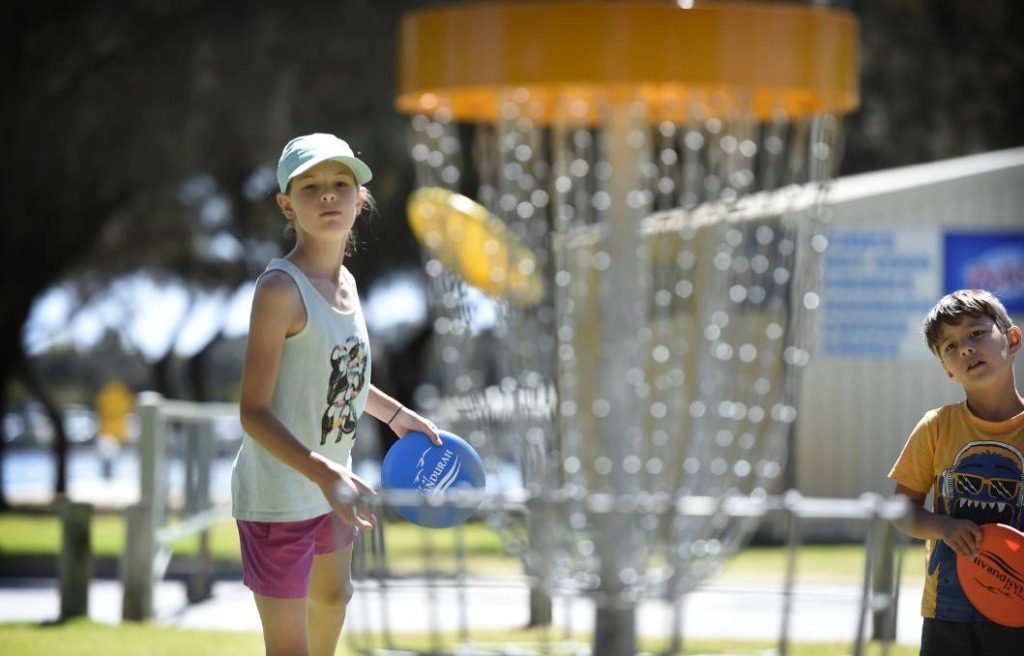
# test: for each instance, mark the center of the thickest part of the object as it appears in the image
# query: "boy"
(969, 455)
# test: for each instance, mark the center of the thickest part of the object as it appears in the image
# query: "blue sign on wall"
(987, 260)
(879, 282)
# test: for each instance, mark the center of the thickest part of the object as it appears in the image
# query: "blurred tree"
(939, 79)
(57, 145)
(143, 136)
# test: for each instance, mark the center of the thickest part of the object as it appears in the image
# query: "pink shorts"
(277, 556)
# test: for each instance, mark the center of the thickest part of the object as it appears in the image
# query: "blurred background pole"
(75, 560)
(885, 585)
(142, 519)
(623, 300)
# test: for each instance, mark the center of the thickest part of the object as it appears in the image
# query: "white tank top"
(321, 390)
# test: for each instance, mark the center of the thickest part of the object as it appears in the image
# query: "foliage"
(939, 79)
(147, 141)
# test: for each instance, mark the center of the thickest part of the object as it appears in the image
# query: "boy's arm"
(962, 535)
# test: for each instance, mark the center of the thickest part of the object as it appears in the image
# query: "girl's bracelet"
(400, 408)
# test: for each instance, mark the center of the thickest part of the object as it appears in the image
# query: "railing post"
(884, 586)
(75, 565)
(142, 520)
(137, 564)
(200, 584)
(794, 527)
(539, 521)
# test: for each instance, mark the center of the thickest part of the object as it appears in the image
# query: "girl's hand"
(962, 535)
(355, 511)
(406, 420)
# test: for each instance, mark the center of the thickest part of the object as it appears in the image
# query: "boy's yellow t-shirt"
(974, 470)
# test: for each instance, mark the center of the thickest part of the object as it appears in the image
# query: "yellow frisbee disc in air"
(475, 244)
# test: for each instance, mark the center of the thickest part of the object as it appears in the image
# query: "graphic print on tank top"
(348, 376)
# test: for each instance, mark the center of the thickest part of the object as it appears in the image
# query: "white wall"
(855, 413)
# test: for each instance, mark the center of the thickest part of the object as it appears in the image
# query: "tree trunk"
(163, 376)
(4, 505)
(615, 631)
(37, 386)
(196, 371)
(13, 312)
(541, 610)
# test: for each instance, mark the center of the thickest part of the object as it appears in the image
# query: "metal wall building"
(899, 239)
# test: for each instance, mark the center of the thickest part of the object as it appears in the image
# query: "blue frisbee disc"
(415, 463)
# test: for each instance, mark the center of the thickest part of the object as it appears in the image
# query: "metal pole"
(142, 520)
(791, 500)
(200, 586)
(622, 315)
(883, 586)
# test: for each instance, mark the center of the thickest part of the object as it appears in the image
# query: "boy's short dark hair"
(953, 307)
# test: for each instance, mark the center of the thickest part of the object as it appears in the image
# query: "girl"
(304, 384)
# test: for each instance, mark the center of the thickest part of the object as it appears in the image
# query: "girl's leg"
(330, 589)
(284, 625)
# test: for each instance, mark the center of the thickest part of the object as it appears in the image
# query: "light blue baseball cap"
(303, 153)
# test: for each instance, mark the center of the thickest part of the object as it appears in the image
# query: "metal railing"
(150, 533)
(381, 594)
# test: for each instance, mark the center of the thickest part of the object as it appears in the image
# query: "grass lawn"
(83, 638)
(34, 534)
(39, 534)
(815, 562)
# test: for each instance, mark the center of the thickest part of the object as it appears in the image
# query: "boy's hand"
(962, 535)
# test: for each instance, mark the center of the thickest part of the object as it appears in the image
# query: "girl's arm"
(399, 418)
(962, 535)
(277, 312)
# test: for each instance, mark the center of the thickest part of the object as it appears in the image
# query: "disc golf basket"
(621, 207)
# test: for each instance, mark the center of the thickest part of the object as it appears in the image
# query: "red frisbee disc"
(994, 579)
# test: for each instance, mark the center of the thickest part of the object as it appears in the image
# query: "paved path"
(733, 609)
